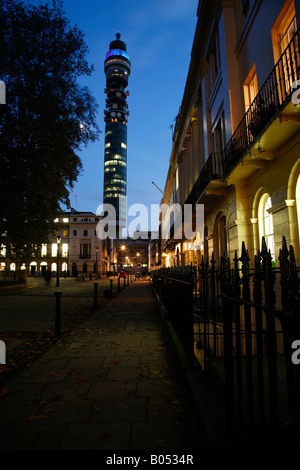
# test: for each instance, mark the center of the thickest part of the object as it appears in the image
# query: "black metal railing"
(212, 170)
(244, 321)
(271, 98)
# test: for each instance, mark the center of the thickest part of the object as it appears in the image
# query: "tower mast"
(117, 68)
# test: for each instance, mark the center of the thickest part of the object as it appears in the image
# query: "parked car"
(138, 274)
(122, 274)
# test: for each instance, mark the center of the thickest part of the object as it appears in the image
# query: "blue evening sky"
(159, 36)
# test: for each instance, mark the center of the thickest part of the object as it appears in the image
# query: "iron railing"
(270, 100)
(244, 321)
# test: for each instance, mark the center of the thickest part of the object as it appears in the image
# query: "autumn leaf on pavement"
(158, 413)
(36, 417)
(105, 435)
(4, 391)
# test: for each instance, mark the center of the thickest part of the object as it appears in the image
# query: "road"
(28, 312)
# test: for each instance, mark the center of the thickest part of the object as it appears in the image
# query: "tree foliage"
(48, 116)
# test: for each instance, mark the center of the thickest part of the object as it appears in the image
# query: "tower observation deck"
(117, 70)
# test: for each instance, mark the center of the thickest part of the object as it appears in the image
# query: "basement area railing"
(242, 325)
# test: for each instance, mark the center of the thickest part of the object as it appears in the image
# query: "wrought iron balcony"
(212, 170)
(84, 256)
(271, 99)
(269, 102)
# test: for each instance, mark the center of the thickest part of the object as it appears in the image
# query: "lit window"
(55, 220)
(107, 145)
(44, 250)
(124, 146)
(54, 249)
(65, 220)
(284, 28)
(287, 28)
(250, 87)
(65, 248)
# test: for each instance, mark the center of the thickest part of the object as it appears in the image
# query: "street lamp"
(97, 262)
(58, 239)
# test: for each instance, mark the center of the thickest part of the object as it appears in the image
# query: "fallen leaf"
(105, 435)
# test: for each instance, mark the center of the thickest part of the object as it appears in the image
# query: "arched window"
(298, 204)
(265, 223)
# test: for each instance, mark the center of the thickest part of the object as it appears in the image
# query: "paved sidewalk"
(114, 383)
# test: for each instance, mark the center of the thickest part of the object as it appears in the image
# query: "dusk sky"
(159, 36)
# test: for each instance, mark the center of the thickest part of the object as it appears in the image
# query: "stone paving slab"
(114, 383)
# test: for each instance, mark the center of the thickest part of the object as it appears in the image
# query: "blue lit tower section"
(117, 71)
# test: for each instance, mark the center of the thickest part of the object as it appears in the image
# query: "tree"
(48, 116)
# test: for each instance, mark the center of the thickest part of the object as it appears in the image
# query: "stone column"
(189, 160)
(184, 171)
(180, 177)
(195, 150)
(243, 212)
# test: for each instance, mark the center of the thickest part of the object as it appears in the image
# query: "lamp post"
(122, 257)
(97, 249)
(58, 239)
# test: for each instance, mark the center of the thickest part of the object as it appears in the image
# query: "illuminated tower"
(117, 71)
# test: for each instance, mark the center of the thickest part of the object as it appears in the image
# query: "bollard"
(124, 282)
(119, 288)
(127, 280)
(111, 285)
(58, 295)
(95, 294)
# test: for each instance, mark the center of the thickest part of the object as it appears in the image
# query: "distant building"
(75, 247)
(236, 146)
(133, 254)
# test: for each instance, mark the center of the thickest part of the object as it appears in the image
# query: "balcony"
(85, 256)
(273, 101)
(213, 170)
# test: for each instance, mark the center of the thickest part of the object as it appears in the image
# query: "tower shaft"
(117, 70)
